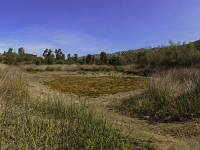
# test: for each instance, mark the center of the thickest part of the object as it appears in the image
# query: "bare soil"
(159, 136)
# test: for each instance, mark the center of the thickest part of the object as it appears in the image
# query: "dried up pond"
(95, 86)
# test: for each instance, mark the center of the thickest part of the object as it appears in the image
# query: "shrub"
(116, 60)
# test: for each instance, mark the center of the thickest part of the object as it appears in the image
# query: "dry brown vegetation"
(12, 85)
(50, 123)
(172, 95)
(95, 86)
(128, 69)
(35, 123)
(174, 82)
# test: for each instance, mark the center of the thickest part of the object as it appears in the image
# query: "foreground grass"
(95, 86)
(173, 95)
(51, 124)
(54, 126)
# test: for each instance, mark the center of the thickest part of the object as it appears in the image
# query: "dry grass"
(50, 123)
(12, 84)
(172, 95)
(94, 68)
(2, 67)
(73, 67)
(95, 86)
(174, 82)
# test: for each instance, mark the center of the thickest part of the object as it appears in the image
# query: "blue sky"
(91, 26)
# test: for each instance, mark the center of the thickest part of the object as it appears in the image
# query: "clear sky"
(91, 26)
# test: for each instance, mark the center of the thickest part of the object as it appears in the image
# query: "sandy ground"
(161, 136)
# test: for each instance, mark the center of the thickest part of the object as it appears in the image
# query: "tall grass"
(51, 124)
(172, 95)
(54, 126)
(94, 68)
(73, 68)
(12, 85)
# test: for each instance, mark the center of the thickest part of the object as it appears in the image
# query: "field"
(73, 109)
(96, 86)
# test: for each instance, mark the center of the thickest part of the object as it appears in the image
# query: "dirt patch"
(164, 136)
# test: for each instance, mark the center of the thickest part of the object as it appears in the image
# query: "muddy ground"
(163, 136)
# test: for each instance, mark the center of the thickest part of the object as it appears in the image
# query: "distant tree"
(59, 54)
(83, 60)
(155, 59)
(75, 57)
(89, 59)
(93, 59)
(171, 43)
(68, 57)
(38, 61)
(21, 50)
(49, 56)
(168, 57)
(190, 52)
(10, 50)
(103, 57)
(116, 60)
(143, 58)
(45, 53)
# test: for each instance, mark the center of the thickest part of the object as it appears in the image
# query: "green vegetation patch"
(95, 86)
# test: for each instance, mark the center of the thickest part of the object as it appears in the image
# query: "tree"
(21, 50)
(59, 54)
(38, 61)
(155, 59)
(190, 52)
(75, 57)
(68, 57)
(103, 57)
(171, 43)
(83, 60)
(45, 53)
(10, 50)
(93, 59)
(89, 59)
(143, 58)
(49, 57)
(115, 60)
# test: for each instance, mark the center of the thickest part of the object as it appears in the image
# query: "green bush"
(116, 60)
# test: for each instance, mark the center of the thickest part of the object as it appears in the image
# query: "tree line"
(50, 57)
(173, 55)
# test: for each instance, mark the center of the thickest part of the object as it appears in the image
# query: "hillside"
(133, 51)
(197, 44)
